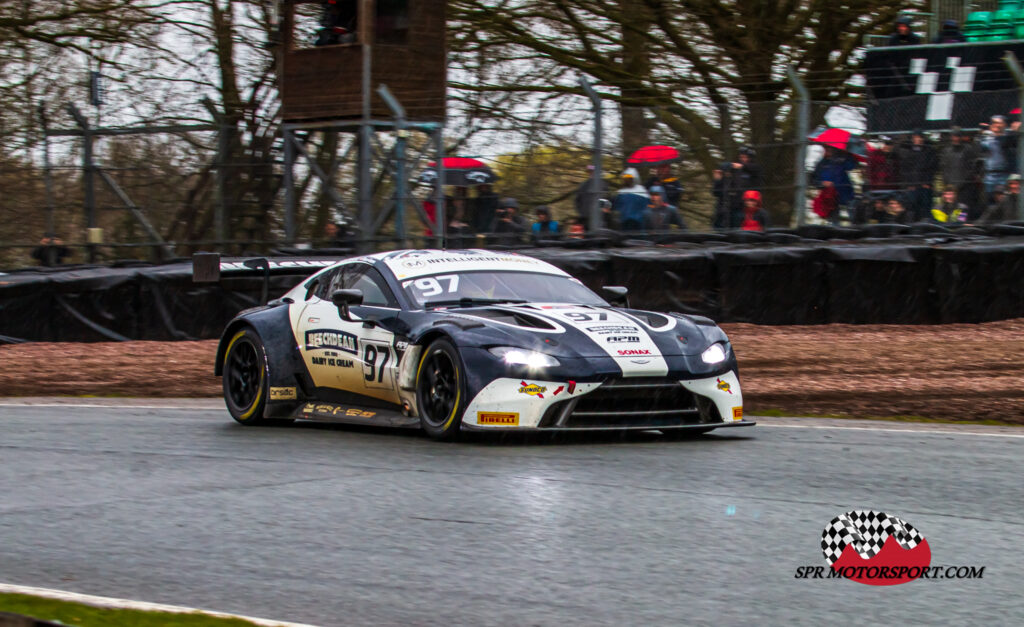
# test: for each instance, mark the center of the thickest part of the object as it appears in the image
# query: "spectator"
(337, 23)
(918, 164)
(895, 211)
(483, 208)
(337, 235)
(903, 35)
(722, 217)
(950, 33)
(673, 188)
(544, 227)
(871, 208)
(508, 225)
(960, 164)
(660, 216)
(949, 211)
(744, 175)
(993, 149)
(755, 218)
(631, 202)
(833, 170)
(1004, 205)
(51, 251)
(430, 208)
(575, 230)
(608, 218)
(584, 195)
(883, 167)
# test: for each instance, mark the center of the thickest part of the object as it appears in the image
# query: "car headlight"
(521, 357)
(715, 354)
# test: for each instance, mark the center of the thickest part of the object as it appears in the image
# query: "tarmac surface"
(172, 502)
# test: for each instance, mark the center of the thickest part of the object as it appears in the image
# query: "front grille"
(628, 403)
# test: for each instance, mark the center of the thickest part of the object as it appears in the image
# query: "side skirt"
(320, 411)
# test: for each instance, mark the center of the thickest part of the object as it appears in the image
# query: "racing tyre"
(245, 378)
(441, 390)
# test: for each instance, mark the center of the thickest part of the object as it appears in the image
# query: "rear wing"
(210, 268)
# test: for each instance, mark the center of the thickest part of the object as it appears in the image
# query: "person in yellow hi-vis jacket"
(949, 210)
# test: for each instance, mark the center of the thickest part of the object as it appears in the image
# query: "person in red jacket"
(883, 168)
(755, 218)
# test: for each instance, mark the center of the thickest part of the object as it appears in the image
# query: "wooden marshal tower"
(368, 67)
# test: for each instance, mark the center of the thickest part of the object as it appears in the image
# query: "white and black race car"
(457, 340)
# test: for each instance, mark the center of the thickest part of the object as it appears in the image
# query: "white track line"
(211, 407)
(127, 604)
(890, 430)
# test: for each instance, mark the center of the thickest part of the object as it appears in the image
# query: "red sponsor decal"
(634, 351)
(557, 390)
(572, 387)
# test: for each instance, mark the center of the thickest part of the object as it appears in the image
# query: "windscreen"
(494, 287)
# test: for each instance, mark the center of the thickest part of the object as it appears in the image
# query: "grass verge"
(70, 613)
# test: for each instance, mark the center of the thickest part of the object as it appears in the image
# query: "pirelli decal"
(503, 419)
(329, 339)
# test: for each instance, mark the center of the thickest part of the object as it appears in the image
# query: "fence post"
(803, 119)
(400, 142)
(594, 197)
(288, 135)
(439, 215)
(88, 168)
(1018, 74)
(47, 171)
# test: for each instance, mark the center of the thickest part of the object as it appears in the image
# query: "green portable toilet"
(1009, 5)
(1001, 26)
(976, 27)
(1018, 24)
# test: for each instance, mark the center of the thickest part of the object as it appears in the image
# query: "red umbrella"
(461, 171)
(654, 155)
(841, 140)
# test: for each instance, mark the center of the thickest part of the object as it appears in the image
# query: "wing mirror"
(344, 299)
(617, 295)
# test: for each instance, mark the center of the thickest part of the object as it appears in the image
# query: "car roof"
(410, 264)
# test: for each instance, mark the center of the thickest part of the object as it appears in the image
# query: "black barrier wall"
(867, 281)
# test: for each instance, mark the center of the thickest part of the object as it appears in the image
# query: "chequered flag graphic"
(867, 531)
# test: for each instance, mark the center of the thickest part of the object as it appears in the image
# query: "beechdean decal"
(330, 339)
(940, 86)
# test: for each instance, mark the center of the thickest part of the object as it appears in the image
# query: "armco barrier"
(910, 280)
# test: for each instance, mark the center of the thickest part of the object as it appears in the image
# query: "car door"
(349, 355)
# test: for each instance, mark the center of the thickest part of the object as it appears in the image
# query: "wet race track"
(175, 503)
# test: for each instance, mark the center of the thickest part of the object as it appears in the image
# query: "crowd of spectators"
(965, 179)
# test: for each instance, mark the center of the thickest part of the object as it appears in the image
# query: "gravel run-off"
(951, 372)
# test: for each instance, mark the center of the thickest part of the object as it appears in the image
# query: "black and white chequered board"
(867, 531)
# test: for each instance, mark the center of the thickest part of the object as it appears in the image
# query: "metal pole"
(47, 172)
(594, 197)
(220, 210)
(441, 222)
(1018, 74)
(365, 134)
(289, 184)
(88, 169)
(400, 145)
(803, 120)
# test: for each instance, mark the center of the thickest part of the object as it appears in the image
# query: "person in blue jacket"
(544, 227)
(631, 201)
(834, 168)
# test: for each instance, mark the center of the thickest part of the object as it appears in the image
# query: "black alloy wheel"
(245, 377)
(440, 390)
